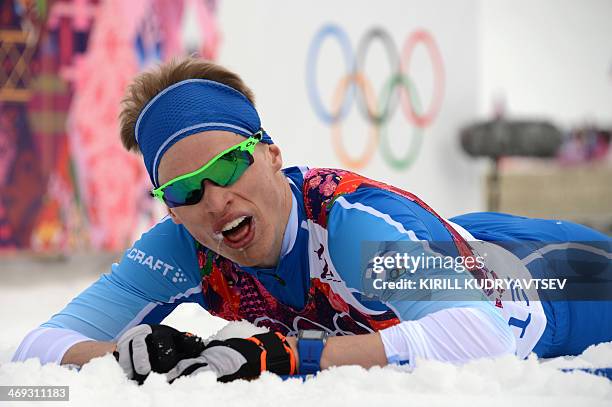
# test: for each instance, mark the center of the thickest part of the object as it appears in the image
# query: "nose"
(216, 198)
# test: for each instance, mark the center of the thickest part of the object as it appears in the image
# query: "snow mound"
(500, 382)
(595, 356)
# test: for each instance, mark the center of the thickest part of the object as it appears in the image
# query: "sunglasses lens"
(229, 167)
(223, 172)
(183, 193)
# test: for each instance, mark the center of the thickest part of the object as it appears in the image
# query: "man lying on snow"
(247, 239)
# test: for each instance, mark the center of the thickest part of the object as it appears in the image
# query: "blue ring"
(311, 77)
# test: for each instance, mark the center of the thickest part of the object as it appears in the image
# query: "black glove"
(154, 348)
(237, 358)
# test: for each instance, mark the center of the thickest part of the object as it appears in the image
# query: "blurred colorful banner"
(65, 180)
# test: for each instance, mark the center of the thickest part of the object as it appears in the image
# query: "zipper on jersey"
(275, 276)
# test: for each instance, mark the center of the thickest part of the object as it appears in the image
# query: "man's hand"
(241, 358)
(154, 348)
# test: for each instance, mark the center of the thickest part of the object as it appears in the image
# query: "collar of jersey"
(293, 264)
(292, 226)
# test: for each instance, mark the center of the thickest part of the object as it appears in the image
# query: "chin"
(252, 257)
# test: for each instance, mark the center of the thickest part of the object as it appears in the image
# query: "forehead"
(190, 153)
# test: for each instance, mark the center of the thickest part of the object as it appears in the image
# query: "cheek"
(192, 218)
(263, 186)
(259, 189)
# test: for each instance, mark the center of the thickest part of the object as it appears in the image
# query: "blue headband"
(189, 107)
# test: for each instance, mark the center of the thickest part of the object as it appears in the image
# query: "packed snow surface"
(502, 382)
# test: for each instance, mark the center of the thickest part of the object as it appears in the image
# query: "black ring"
(394, 61)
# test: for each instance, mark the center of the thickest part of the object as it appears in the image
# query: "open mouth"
(239, 232)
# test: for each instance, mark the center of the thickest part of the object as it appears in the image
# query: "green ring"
(417, 137)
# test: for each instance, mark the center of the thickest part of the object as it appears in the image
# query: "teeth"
(233, 224)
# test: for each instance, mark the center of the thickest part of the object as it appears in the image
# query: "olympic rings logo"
(376, 108)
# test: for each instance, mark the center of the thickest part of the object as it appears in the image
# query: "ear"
(276, 158)
(175, 218)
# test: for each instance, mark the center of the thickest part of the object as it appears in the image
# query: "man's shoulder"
(166, 249)
(164, 226)
(166, 235)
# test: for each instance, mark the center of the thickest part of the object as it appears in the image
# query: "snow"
(502, 382)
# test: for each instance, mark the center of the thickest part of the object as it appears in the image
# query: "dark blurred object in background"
(503, 138)
(530, 175)
(499, 138)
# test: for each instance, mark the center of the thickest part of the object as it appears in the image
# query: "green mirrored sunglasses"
(224, 169)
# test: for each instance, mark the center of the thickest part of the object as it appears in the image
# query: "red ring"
(424, 120)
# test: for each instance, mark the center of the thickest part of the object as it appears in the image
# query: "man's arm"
(455, 335)
(83, 352)
(452, 335)
(48, 344)
(363, 350)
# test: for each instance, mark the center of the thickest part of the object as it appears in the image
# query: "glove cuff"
(276, 354)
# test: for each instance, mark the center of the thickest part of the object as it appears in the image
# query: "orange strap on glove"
(237, 358)
(276, 354)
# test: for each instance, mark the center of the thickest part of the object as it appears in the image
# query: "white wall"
(267, 43)
(551, 58)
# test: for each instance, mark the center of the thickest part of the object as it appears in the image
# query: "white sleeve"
(454, 335)
(47, 344)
